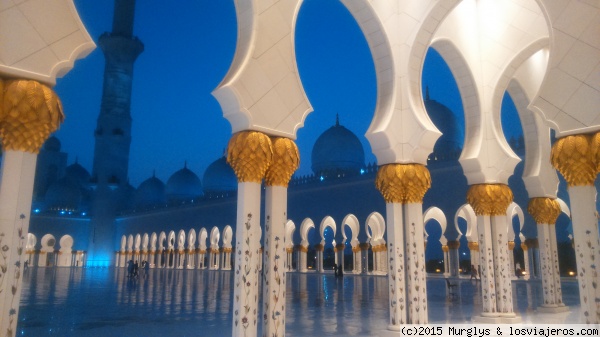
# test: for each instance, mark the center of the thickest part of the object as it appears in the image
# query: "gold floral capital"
(511, 245)
(249, 153)
(544, 210)
(489, 199)
(403, 183)
(286, 160)
(577, 158)
(29, 113)
(453, 244)
(445, 248)
(473, 245)
(524, 247)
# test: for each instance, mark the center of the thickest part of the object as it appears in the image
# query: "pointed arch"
(290, 228)
(327, 222)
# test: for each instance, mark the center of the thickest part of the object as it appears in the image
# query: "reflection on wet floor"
(104, 302)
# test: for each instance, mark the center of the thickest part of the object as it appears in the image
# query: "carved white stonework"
(262, 90)
(570, 94)
(41, 40)
(398, 33)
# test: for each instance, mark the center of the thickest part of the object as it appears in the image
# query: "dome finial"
(427, 93)
(337, 119)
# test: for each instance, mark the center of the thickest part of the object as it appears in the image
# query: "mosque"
(434, 186)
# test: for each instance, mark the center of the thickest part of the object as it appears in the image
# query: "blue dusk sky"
(188, 50)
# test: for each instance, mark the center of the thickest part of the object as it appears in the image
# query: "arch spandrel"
(569, 97)
(290, 228)
(262, 90)
(306, 225)
(504, 44)
(351, 221)
(42, 47)
(202, 236)
(327, 222)
(398, 34)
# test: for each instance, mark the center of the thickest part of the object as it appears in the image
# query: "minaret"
(113, 132)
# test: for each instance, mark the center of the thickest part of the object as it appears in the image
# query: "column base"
(553, 309)
(496, 319)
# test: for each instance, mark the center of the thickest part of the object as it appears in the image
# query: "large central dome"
(337, 152)
(184, 185)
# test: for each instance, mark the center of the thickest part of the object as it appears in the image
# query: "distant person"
(341, 271)
(146, 268)
(135, 269)
(474, 272)
(519, 271)
(26, 264)
(335, 270)
(129, 268)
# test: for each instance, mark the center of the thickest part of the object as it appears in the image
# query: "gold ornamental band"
(511, 245)
(489, 199)
(473, 245)
(29, 113)
(577, 158)
(445, 248)
(453, 244)
(285, 162)
(249, 153)
(544, 210)
(356, 249)
(302, 249)
(289, 250)
(403, 183)
(364, 246)
(524, 247)
(319, 248)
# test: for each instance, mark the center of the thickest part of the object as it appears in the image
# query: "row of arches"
(181, 251)
(47, 254)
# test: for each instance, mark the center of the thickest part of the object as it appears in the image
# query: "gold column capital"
(544, 210)
(473, 245)
(577, 158)
(249, 153)
(489, 199)
(454, 244)
(524, 246)
(286, 160)
(511, 245)
(403, 183)
(29, 113)
(445, 248)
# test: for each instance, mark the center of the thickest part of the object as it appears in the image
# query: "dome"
(183, 185)
(449, 145)
(219, 178)
(52, 144)
(337, 151)
(151, 192)
(64, 194)
(78, 174)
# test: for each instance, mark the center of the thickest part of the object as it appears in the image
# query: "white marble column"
(249, 153)
(303, 259)
(403, 187)
(356, 260)
(577, 158)
(29, 112)
(445, 250)
(511, 258)
(490, 202)
(474, 250)
(454, 258)
(275, 258)
(526, 259)
(319, 249)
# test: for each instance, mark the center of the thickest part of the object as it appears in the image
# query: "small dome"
(63, 195)
(449, 145)
(52, 144)
(183, 185)
(78, 174)
(219, 178)
(151, 192)
(337, 151)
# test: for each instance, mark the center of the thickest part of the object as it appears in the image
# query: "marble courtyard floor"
(104, 302)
